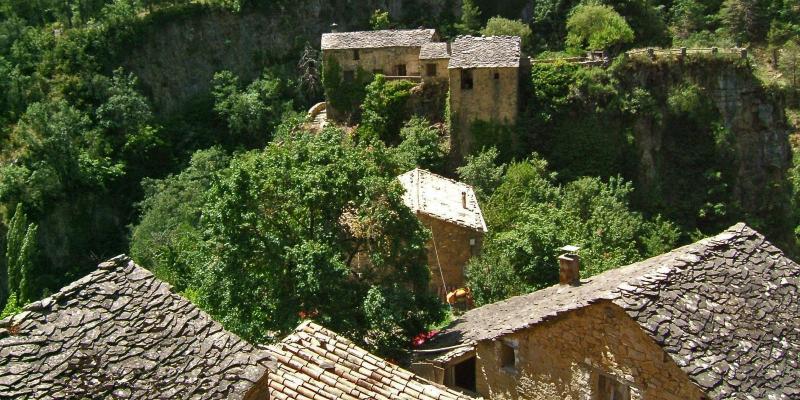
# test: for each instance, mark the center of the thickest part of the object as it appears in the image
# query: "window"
(464, 374)
(466, 79)
(609, 388)
(356, 56)
(400, 70)
(430, 69)
(497, 76)
(349, 76)
(508, 356)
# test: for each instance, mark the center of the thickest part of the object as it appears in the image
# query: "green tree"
(499, 26)
(789, 63)
(470, 18)
(384, 109)
(379, 20)
(15, 238)
(168, 233)
(421, 146)
(687, 17)
(28, 290)
(597, 27)
(309, 227)
(530, 217)
(251, 112)
(482, 172)
(745, 20)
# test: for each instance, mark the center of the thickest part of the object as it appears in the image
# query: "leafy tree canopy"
(595, 26)
(498, 26)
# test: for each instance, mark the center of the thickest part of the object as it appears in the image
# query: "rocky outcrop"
(177, 57)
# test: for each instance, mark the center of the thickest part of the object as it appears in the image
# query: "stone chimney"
(464, 200)
(569, 266)
(334, 27)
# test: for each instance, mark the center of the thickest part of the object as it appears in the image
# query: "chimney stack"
(334, 27)
(569, 266)
(464, 200)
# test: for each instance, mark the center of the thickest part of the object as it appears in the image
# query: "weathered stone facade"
(564, 359)
(391, 61)
(450, 248)
(493, 96)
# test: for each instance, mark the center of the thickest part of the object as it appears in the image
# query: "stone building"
(314, 363)
(388, 52)
(484, 84)
(433, 58)
(121, 333)
(718, 319)
(450, 210)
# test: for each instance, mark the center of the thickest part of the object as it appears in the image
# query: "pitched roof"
(726, 309)
(120, 332)
(485, 52)
(377, 39)
(441, 198)
(434, 51)
(315, 363)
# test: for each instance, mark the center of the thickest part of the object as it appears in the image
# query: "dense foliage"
(530, 216)
(596, 26)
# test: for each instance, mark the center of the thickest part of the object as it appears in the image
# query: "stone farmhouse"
(718, 319)
(120, 333)
(482, 73)
(450, 210)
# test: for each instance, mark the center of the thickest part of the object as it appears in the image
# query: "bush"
(384, 109)
(422, 146)
(499, 26)
(595, 26)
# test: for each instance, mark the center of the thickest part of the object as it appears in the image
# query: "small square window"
(508, 356)
(496, 76)
(609, 388)
(430, 69)
(356, 56)
(466, 79)
(349, 76)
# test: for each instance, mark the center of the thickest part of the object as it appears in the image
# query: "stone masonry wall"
(384, 59)
(454, 250)
(563, 359)
(489, 99)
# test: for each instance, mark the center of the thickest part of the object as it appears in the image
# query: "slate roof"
(485, 52)
(434, 51)
(726, 309)
(440, 198)
(121, 333)
(377, 39)
(315, 363)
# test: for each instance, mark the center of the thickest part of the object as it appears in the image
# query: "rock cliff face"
(177, 59)
(757, 131)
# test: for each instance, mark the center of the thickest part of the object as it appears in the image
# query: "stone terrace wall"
(562, 359)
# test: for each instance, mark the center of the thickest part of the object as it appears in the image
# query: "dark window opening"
(496, 75)
(609, 388)
(508, 358)
(466, 79)
(349, 76)
(430, 69)
(356, 56)
(400, 70)
(464, 374)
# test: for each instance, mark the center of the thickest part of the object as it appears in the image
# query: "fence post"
(651, 53)
(714, 50)
(775, 55)
(743, 53)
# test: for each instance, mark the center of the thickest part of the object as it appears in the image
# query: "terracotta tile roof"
(121, 333)
(377, 39)
(441, 198)
(485, 52)
(726, 309)
(315, 363)
(434, 51)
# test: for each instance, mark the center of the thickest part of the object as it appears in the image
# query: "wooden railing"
(653, 53)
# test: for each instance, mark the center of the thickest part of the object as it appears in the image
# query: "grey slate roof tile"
(434, 51)
(485, 52)
(441, 198)
(726, 309)
(121, 333)
(377, 39)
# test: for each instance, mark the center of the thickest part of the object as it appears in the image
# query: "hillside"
(173, 131)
